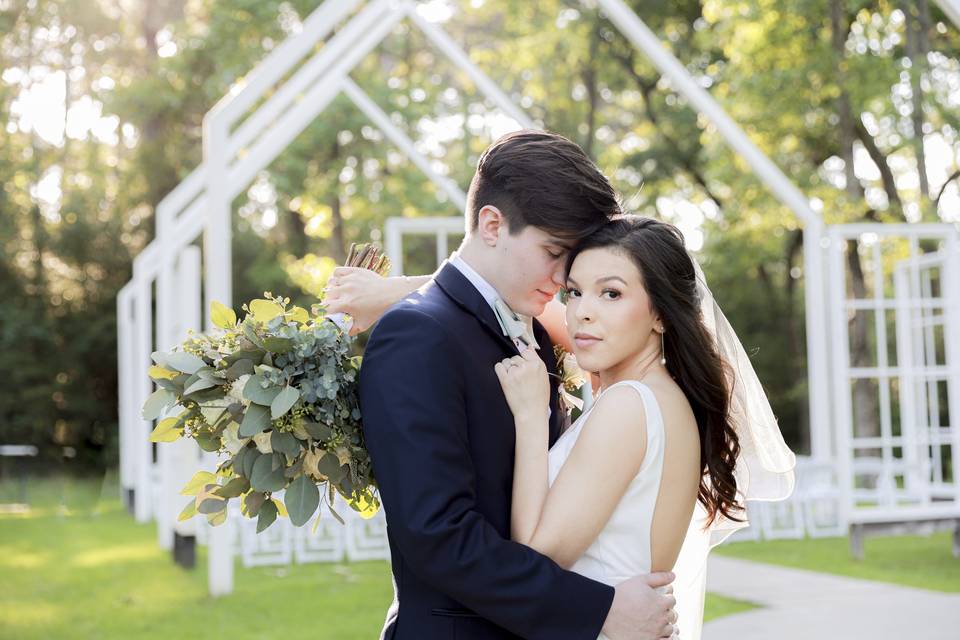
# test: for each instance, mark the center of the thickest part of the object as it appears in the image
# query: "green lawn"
(915, 561)
(88, 570)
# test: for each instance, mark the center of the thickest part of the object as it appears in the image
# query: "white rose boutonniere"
(571, 379)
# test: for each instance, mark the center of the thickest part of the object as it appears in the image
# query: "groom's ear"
(491, 225)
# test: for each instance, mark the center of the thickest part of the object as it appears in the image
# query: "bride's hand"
(363, 294)
(526, 386)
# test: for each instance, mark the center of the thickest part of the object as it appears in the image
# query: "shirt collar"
(485, 288)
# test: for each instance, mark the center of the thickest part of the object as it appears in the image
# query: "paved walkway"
(805, 605)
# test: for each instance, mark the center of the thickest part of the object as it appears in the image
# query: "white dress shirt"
(488, 292)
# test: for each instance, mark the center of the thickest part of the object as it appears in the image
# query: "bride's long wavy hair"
(693, 360)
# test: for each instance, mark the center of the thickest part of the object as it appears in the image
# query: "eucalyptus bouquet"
(276, 394)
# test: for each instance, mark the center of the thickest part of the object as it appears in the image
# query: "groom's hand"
(643, 609)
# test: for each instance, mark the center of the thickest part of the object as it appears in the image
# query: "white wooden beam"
(952, 9)
(313, 72)
(404, 143)
(443, 42)
(278, 62)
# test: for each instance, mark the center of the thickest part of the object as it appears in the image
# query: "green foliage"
(159, 67)
(276, 393)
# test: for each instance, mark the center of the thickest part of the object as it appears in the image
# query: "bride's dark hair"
(693, 360)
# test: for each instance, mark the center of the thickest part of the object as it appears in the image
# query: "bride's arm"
(365, 295)
(563, 520)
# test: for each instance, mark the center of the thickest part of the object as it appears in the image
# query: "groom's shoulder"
(425, 310)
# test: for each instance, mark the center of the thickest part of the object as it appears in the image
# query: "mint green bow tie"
(514, 325)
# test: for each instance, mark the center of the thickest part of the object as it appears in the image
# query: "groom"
(441, 435)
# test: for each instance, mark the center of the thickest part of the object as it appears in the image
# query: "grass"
(914, 561)
(719, 606)
(78, 566)
(90, 571)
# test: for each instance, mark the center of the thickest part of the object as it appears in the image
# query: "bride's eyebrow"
(599, 280)
(608, 278)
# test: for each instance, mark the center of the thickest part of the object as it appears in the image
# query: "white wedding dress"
(764, 472)
(622, 550)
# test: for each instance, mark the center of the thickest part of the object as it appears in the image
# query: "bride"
(652, 474)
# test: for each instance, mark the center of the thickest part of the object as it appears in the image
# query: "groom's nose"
(558, 277)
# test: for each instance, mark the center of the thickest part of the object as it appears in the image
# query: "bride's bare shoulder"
(674, 406)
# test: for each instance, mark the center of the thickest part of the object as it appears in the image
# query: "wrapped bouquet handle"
(364, 256)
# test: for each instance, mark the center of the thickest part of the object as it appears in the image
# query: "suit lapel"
(557, 417)
(462, 291)
(456, 286)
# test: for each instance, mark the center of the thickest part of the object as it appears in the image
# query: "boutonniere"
(571, 379)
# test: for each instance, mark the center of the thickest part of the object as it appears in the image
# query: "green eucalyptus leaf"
(254, 391)
(188, 511)
(277, 345)
(255, 419)
(302, 499)
(268, 514)
(156, 403)
(212, 505)
(209, 373)
(169, 385)
(252, 503)
(208, 442)
(239, 368)
(329, 465)
(251, 335)
(208, 395)
(236, 487)
(285, 443)
(253, 355)
(284, 401)
(183, 361)
(236, 411)
(200, 385)
(249, 460)
(318, 431)
(218, 518)
(237, 462)
(295, 469)
(267, 474)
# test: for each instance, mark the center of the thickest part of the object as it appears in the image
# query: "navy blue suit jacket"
(441, 437)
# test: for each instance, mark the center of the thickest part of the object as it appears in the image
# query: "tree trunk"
(297, 241)
(795, 339)
(38, 276)
(590, 82)
(865, 413)
(886, 173)
(917, 22)
(337, 245)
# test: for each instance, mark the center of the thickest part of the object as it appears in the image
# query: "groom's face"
(530, 268)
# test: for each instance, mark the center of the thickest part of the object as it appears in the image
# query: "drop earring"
(663, 356)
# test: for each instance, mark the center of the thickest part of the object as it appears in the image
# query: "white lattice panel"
(328, 544)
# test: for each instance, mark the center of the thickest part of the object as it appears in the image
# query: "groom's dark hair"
(541, 179)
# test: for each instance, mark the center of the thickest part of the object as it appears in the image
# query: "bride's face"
(610, 318)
